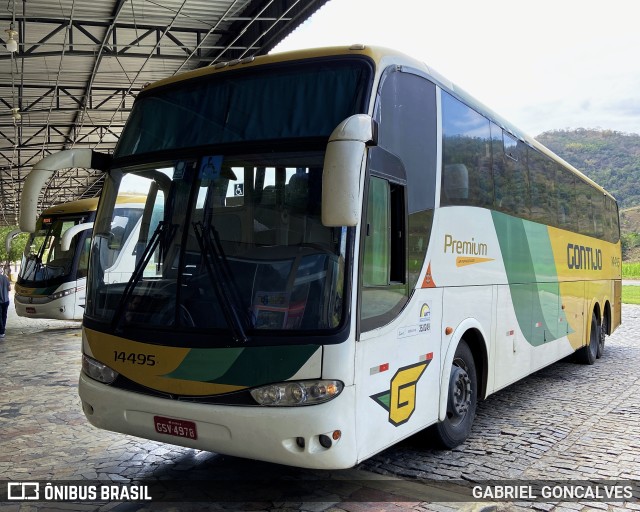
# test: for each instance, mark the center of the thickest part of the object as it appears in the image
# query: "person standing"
(5, 288)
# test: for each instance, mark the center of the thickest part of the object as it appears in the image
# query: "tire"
(589, 353)
(462, 401)
(604, 330)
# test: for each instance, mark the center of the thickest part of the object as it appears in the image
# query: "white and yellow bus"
(339, 249)
(53, 273)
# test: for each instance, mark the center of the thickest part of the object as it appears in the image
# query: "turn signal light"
(98, 371)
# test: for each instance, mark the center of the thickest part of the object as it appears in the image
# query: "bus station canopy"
(70, 70)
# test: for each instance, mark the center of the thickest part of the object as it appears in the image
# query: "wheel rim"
(459, 393)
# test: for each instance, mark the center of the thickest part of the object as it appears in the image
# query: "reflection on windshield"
(223, 281)
(243, 251)
(47, 261)
(44, 259)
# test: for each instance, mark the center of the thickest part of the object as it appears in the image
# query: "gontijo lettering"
(467, 247)
(580, 257)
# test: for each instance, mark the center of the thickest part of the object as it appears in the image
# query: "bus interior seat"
(229, 228)
(265, 217)
(297, 193)
(456, 182)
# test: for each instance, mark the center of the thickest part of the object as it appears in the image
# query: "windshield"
(229, 243)
(45, 262)
(55, 255)
(278, 102)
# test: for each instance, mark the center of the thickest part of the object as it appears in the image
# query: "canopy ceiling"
(80, 63)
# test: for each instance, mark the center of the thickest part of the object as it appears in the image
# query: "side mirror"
(10, 236)
(43, 171)
(68, 235)
(343, 163)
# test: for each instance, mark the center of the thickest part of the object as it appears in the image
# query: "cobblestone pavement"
(566, 422)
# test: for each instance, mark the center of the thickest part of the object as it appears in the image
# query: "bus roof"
(381, 57)
(79, 206)
(89, 205)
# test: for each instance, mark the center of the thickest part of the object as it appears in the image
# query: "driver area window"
(384, 282)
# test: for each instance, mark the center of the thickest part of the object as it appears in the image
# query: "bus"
(339, 249)
(53, 273)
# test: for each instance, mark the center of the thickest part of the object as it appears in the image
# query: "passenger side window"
(612, 228)
(565, 188)
(586, 221)
(466, 156)
(543, 194)
(597, 203)
(512, 183)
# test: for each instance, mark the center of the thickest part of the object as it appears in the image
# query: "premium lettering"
(466, 247)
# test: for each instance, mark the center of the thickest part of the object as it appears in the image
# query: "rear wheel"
(604, 330)
(461, 402)
(589, 353)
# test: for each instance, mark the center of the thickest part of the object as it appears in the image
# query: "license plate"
(173, 427)
(31, 310)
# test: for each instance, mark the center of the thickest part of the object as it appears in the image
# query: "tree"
(16, 244)
(630, 241)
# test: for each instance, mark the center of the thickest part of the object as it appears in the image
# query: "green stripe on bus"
(249, 366)
(205, 365)
(532, 276)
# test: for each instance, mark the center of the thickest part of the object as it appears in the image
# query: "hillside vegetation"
(612, 159)
(630, 227)
(630, 219)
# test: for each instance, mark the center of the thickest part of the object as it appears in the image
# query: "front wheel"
(461, 402)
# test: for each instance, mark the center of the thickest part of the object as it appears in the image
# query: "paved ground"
(566, 422)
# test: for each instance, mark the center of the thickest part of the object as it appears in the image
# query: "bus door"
(398, 351)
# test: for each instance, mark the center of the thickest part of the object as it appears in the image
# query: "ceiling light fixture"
(12, 42)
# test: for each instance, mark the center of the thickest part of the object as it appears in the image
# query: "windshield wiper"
(163, 231)
(34, 267)
(222, 279)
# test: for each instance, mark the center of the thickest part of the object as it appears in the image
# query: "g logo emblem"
(400, 400)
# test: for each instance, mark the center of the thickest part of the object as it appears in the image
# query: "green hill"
(630, 220)
(610, 158)
(630, 228)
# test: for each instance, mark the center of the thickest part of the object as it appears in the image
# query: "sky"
(562, 64)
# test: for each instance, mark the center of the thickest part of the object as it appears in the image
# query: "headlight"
(302, 392)
(98, 371)
(63, 293)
